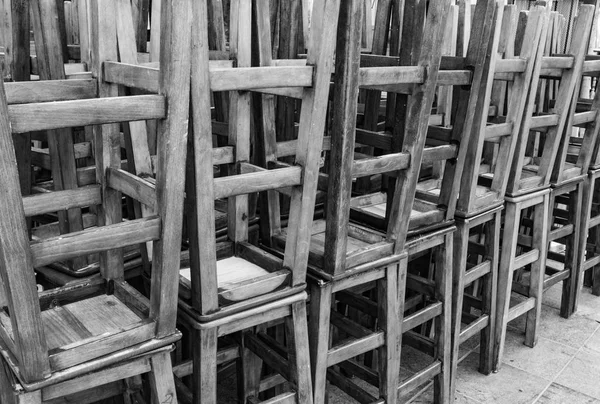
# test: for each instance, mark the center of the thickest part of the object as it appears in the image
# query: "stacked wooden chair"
(587, 256)
(64, 341)
(496, 121)
(347, 257)
(235, 288)
(528, 192)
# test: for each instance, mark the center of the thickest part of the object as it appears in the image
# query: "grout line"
(567, 364)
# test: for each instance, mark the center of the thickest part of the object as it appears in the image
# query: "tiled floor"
(563, 368)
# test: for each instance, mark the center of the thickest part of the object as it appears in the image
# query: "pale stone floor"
(563, 368)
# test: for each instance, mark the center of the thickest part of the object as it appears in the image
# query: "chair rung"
(96, 111)
(592, 262)
(477, 272)
(560, 232)
(61, 200)
(422, 316)
(95, 240)
(257, 181)
(49, 90)
(350, 349)
(380, 164)
(555, 278)
(420, 377)
(521, 308)
(474, 327)
(526, 258)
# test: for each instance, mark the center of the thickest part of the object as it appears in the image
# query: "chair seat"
(370, 210)
(92, 327)
(239, 279)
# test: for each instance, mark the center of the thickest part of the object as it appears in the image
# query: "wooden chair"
(529, 190)
(497, 115)
(70, 339)
(237, 287)
(345, 256)
(587, 254)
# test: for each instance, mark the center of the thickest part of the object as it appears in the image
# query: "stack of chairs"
(58, 344)
(586, 119)
(236, 288)
(526, 232)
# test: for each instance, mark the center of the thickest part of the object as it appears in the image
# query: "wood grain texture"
(52, 90)
(95, 240)
(175, 65)
(19, 285)
(98, 111)
(60, 200)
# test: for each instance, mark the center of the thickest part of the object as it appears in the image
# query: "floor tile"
(594, 341)
(573, 332)
(546, 359)
(583, 373)
(510, 385)
(589, 305)
(557, 394)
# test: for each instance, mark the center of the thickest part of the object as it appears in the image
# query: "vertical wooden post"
(49, 51)
(176, 25)
(107, 145)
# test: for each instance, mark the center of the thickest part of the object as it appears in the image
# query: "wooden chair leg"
(443, 322)
(505, 277)
(538, 268)
(299, 354)
(389, 353)
(461, 244)
(205, 366)
(489, 290)
(320, 316)
(585, 213)
(249, 373)
(161, 379)
(569, 288)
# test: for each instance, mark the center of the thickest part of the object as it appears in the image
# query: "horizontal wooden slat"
(95, 240)
(543, 121)
(590, 66)
(439, 153)
(580, 118)
(497, 130)
(138, 76)
(557, 62)
(25, 92)
(510, 65)
(221, 79)
(97, 111)
(454, 77)
(381, 164)
(133, 186)
(377, 76)
(248, 78)
(61, 200)
(257, 181)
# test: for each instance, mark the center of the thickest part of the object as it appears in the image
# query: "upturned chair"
(70, 339)
(234, 286)
(528, 191)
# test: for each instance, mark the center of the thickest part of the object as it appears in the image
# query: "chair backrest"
(532, 170)
(36, 338)
(483, 181)
(410, 98)
(435, 197)
(249, 276)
